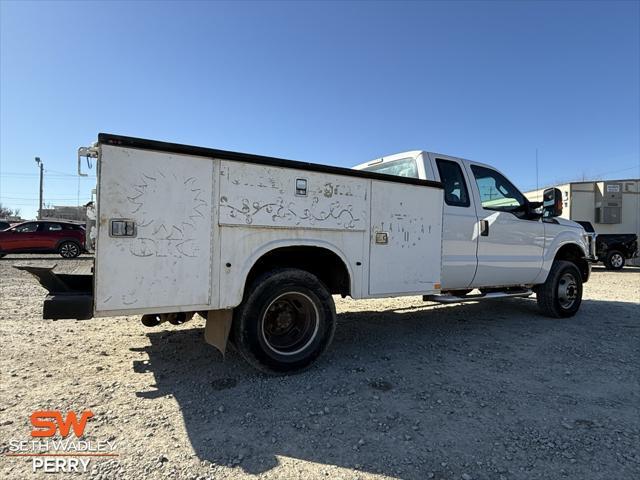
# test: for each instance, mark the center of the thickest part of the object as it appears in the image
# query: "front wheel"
(561, 295)
(69, 250)
(285, 322)
(614, 260)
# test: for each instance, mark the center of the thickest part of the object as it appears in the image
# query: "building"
(65, 212)
(612, 206)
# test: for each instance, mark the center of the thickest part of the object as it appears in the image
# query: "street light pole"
(41, 165)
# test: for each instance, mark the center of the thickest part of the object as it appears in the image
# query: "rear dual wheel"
(286, 321)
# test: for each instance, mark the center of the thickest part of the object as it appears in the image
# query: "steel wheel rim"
(567, 290)
(69, 250)
(616, 260)
(290, 323)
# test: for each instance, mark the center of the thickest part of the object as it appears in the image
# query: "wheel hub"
(279, 319)
(567, 290)
(290, 323)
(616, 260)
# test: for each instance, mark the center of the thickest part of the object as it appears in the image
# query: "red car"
(65, 238)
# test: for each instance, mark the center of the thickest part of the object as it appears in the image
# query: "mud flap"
(217, 328)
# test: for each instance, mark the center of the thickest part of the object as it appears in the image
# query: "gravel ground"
(408, 390)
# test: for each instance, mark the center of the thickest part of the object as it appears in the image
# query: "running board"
(476, 297)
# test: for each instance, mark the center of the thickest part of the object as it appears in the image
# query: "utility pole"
(537, 183)
(41, 165)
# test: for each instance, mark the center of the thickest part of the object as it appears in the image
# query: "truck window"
(405, 167)
(455, 188)
(496, 192)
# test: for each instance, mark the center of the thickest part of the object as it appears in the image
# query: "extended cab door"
(459, 224)
(510, 241)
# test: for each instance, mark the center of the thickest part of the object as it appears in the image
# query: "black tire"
(614, 260)
(561, 295)
(69, 249)
(285, 322)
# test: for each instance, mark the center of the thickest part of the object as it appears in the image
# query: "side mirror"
(552, 203)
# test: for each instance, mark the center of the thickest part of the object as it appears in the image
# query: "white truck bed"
(203, 218)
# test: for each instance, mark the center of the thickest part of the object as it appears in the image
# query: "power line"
(61, 173)
(615, 171)
(596, 177)
(52, 199)
(49, 175)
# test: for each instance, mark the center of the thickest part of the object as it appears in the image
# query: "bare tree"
(8, 212)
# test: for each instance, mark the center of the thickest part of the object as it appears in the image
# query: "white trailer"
(257, 245)
(612, 207)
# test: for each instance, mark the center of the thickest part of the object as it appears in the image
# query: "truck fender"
(238, 293)
(551, 251)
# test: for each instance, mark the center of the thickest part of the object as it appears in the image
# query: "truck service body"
(257, 245)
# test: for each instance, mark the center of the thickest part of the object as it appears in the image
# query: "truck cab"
(492, 235)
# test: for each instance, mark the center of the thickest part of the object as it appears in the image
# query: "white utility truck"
(258, 245)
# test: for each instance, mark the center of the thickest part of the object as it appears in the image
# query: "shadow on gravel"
(487, 388)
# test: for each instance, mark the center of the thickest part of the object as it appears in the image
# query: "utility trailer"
(257, 245)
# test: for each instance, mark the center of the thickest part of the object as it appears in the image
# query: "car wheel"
(614, 260)
(561, 295)
(286, 321)
(69, 250)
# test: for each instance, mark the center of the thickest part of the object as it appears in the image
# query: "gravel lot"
(408, 390)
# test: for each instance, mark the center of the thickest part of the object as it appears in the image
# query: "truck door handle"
(484, 228)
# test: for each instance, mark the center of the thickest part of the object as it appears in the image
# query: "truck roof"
(415, 154)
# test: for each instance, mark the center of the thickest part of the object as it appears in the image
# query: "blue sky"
(335, 82)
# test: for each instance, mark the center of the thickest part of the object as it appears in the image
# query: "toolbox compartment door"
(406, 239)
(154, 242)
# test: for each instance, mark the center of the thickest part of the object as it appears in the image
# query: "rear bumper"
(78, 306)
(70, 295)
